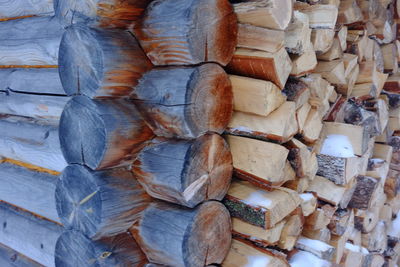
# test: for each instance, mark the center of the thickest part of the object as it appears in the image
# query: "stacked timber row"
(147, 166)
(314, 134)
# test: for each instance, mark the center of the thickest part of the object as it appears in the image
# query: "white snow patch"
(314, 244)
(337, 145)
(306, 196)
(377, 161)
(257, 261)
(356, 248)
(258, 198)
(394, 227)
(303, 258)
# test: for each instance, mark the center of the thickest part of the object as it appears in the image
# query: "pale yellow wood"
(322, 39)
(254, 37)
(298, 34)
(312, 126)
(305, 63)
(349, 61)
(334, 52)
(321, 16)
(332, 71)
(301, 115)
(349, 12)
(383, 151)
(342, 35)
(327, 190)
(323, 234)
(291, 230)
(308, 203)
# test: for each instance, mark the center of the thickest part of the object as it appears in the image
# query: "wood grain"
(11, 258)
(185, 32)
(21, 8)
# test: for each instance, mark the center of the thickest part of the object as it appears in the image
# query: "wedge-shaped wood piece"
(296, 91)
(176, 236)
(305, 63)
(323, 234)
(342, 36)
(185, 102)
(363, 195)
(302, 159)
(342, 221)
(255, 96)
(292, 230)
(347, 89)
(299, 185)
(101, 133)
(99, 203)
(100, 63)
(332, 71)
(280, 125)
(389, 52)
(334, 52)
(322, 39)
(245, 254)
(320, 249)
(31, 142)
(102, 14)
(29, 189)
(377, 239)
(182, 32)
(349, 12)
(75, 249)
(22, 8)
(367, 71)
(258, 161)
(301, 116)
(321, 16)
(349, 61)
(308, 203)
(260, 207)
(254, 37)
(298, 34)
(320, 218)
(378, 168)
(274, 67)
(273, 14)
(336, 169)
(312, 126)
(200, 169)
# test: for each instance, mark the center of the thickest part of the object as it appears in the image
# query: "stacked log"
(312, 134)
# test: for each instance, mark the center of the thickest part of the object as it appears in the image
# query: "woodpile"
(200, 133)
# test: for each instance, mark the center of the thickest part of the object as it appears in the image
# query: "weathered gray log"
(37, 81)
(177, 236)
(101, 133)
(12, 258)
(363, 195)
(46, 107)
(185, 32)
(30, 42)
(185, 102)
(99, 203)
(22, 8)
(101, 13)
(29, 189)
(185, 172)
(23, 232)
(74, 249)
(100, 63)
(29, 141)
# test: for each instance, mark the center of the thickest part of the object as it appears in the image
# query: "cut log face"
(185, 102)
(100, 203)
(253, 37)
(181, 32)
(100, 63)
(177, 236)
(10, 257)
(274, 67)
(337, 169)
(101, 13)
(23, 8)
(75, 249)
(322, 39)
(200, 169)
(321, 16)
(101, 133)
(275, 14)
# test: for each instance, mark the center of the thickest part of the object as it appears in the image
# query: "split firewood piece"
(254, 37)
(308, 203)
(377, 239)
(351, 77)
(199, 101)
(389, 52)
(378, 168)
(245, 254)
(349, 12)
(323, 234)
(280, 125)
(321, 16)
(330, 192)
(181, 32)
(99, 203)
(274, 67)
(367, 71)
(339, 243)
(298, 34)
(296, 91)
(203, 236)
(305, 63)
(392, 184)
(354, 255)
(320, 218)
(299, 185)
(392, 83)
(337, 169)
(302, 258)
(257, 161)
(259, 207)
(386, 213)
(100, 63)
(374, 259)
(341, 34)
(265, 237)
(103, 13)
(200, 170)
(332, 71)
(318, 86)
(255, 96)
(322, 39)
(358, 46)
(302, 159)
(312, 126)
(273, 14)
(364, 90)
(320, 249)
(292, 230)
(101, 133)
(75, 249)
(364, 192)
(334, 52)
(301, 116)
(341, 222)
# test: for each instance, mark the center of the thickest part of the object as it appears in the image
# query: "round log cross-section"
(185, 32)
(75, 249)
(185, 102)
(101, 133)
(99, 203)
(100, 63)
(175, 236)
(199, 170)
(100, 13)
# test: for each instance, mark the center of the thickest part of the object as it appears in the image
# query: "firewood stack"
(313, 134)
